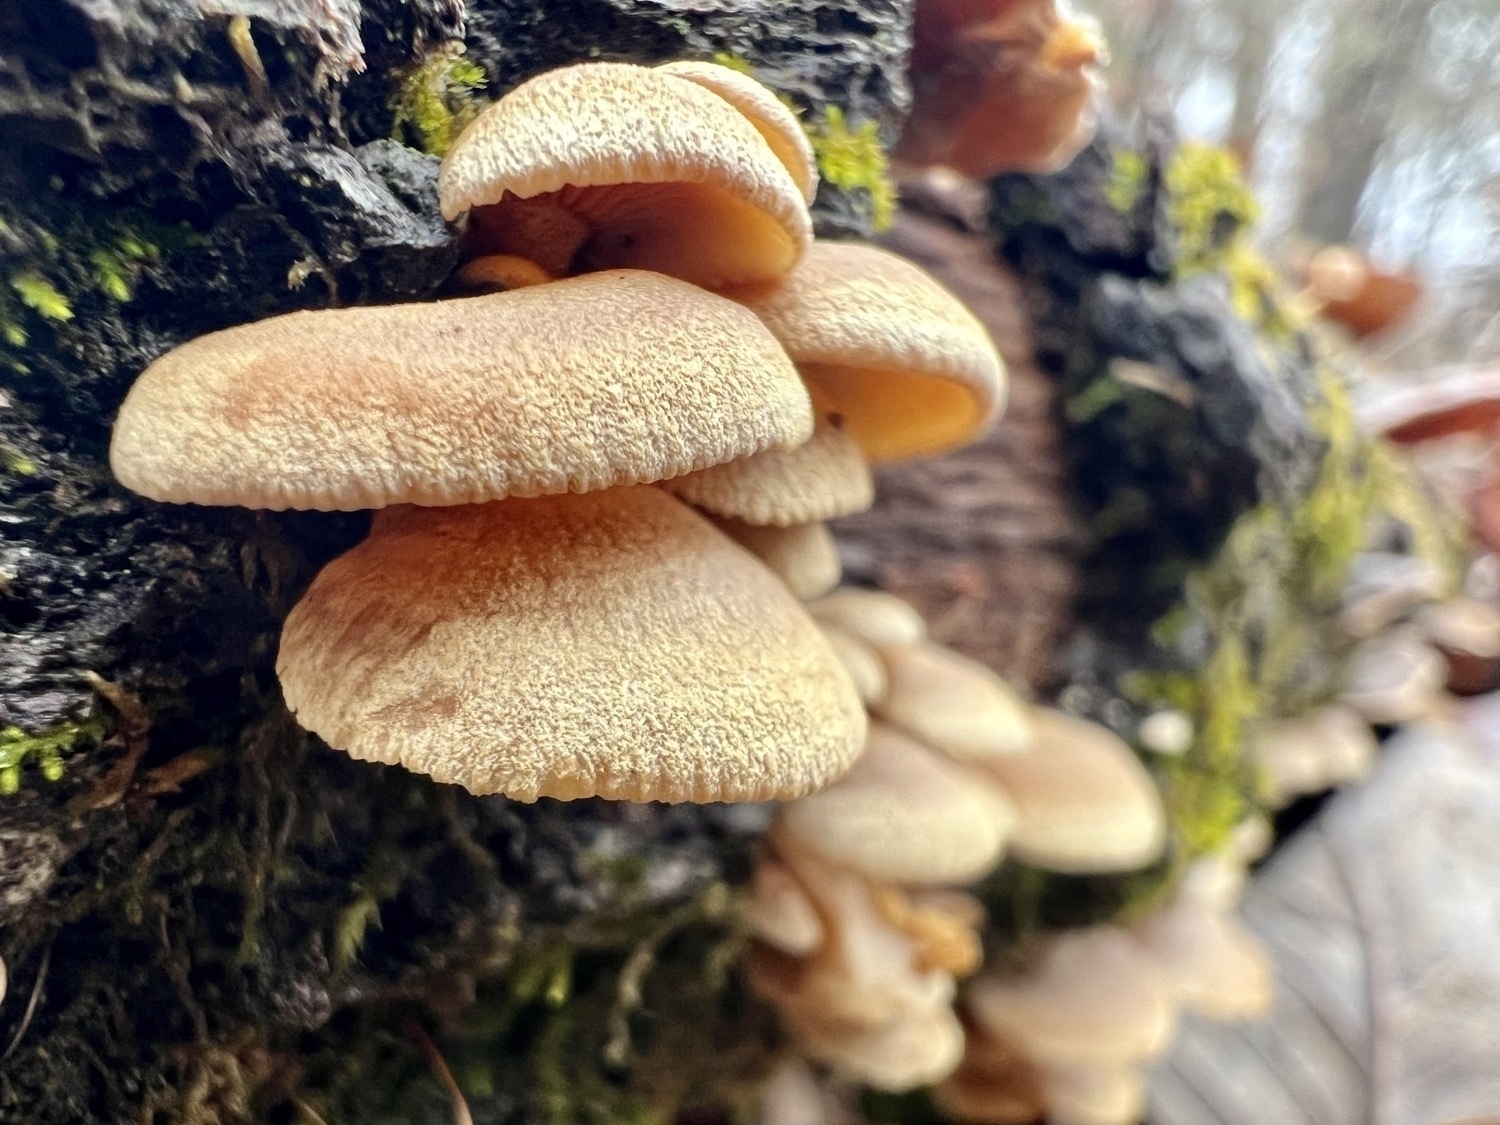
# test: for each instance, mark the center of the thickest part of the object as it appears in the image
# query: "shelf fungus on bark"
(608, 644)
(909, 369)
(605, 165)
(616, 378)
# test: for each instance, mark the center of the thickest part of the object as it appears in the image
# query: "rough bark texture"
(205, 914)
(985, 540)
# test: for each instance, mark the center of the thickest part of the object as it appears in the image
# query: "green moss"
(1127, 179)
(853, 159)
(46, 751)
(41, 296)
(435, 100)
(1268, 602)
(1213, 211)
(1210, 203)
(734, 62)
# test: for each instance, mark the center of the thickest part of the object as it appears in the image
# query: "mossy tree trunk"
(207, 916)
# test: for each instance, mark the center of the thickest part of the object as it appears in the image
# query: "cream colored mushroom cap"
(822, 479)
(952, 703)
(860, 660)
(609, 644)
(804, 556)
(902, 814)
(873, 615)
(1094, 997)
(775, 122)
(780, 912)
(664, 174)
(611, 379)
(918, 1049)
(1094, 1094)
(1210, 961)
(1084, 803)
(911, 370)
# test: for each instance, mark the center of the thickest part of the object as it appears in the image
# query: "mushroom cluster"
(863, 928)
(1068, 1038)
(528, 615)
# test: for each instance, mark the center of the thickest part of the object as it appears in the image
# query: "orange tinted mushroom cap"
(910, 370)
(609, 644)
(606, 165)
(617, 378)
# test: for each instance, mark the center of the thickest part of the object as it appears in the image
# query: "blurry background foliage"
(1370, 122)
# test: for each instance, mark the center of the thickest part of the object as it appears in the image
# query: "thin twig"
(31, 1005)
(461, 1114)
(308, 1112)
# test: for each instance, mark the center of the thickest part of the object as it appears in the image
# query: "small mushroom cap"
(1394, 677)
(579, 385)
(952, 703)
(608, 644)
(902, 813)
(917, 1050)
(804, 556)
(763, 109)
(1464, 402)
(1095, 996)
(1210, 962)
(909, 368)
(822, 479)
(866, 974)
(860, 660)
(1311, 752)
(1084, 803)
(792, 1096)
(873, 615)
(663, 173)
(1094, 1094)
(780, 913)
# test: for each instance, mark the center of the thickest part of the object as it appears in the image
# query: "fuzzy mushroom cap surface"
(763, 109)
(635, 167)
(616, 378)
(1084, 803)
(903, 814)
(822, 479)
(909, 368)
(610, 644)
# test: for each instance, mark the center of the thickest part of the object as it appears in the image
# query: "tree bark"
(205, 914)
